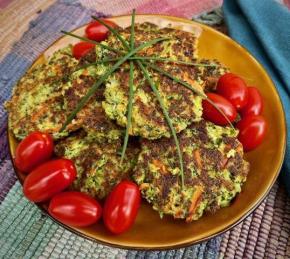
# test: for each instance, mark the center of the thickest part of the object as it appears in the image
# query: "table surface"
(27, 27)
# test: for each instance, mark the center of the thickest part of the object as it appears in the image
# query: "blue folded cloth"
(263, 27)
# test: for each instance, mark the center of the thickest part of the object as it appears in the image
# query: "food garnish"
(194, 90)
(97, 31)
(252, 130)
(75, 209)
(49, 179)
(32, 151)
(89, 41)
(234, 89)
(254, 104)
(150, 58)
(131, 92)
(211, 113)
(121, 207)
(166, 115)
(82, 48)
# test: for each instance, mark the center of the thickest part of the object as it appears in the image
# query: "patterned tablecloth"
(27, 27)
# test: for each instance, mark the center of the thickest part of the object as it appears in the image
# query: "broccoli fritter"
(36, 103)
(214, 171)
(182, 104)
(47, 94)
(91, 117)
(98, 164)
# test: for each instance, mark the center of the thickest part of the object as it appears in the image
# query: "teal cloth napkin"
(263, 27)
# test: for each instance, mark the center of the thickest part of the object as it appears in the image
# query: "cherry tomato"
(252, 131)
(98, 32)
(233, 88)
(35, 149)
(254, 104)
(212, 114)
(49, 179)
(82, 48)
(121, 207)
(75, 209)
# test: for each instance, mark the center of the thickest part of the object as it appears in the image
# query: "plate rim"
(184, 244)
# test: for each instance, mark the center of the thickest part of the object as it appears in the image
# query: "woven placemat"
(26, 233)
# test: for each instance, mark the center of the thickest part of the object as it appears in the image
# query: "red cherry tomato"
(226, 77)
(121, 207)
(35, 149)
(49, 179)
(233, 88)
(254, 104)
(252, 130)
(75, 209)
(212, 114)
(82, 48)
(98, 32)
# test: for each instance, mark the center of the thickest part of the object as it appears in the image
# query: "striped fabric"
(264, 234)
(24, 231)
(184, 8)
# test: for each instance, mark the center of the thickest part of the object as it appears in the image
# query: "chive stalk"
(131, 92)
(188, 86)
(168, 119)
(90, 41)
(107, 60)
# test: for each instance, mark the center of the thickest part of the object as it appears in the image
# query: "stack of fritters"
(214, 169)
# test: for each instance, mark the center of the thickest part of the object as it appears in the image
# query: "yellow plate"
(151, 232)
